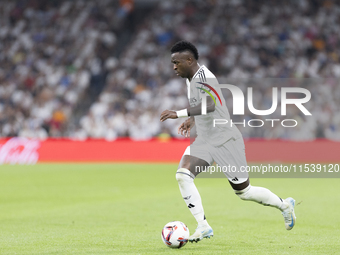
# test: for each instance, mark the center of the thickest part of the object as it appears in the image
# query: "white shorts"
(230, 157)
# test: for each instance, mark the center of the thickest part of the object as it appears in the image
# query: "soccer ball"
(175, 234)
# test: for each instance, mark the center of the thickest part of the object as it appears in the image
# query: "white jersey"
(202, 80)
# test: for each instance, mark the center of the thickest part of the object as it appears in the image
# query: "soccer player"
(222, 144)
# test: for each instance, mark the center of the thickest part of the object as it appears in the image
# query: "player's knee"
(244, 194)
(184, 175)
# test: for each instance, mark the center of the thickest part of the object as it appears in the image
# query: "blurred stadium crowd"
(52, 51)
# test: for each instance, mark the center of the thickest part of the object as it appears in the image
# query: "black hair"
(184, 46)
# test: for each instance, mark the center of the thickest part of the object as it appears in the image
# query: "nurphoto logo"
(238, 105)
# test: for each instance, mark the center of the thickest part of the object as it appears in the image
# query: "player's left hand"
(168, 115)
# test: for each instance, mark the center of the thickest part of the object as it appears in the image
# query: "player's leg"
(187, 171)
(185, 177)
(258, 194)
(234, 152)
(264, 196)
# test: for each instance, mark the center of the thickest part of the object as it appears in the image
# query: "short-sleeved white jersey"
(216, 136)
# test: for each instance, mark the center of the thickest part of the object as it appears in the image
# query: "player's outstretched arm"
(191, 111)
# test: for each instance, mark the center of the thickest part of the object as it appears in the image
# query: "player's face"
(181, 61)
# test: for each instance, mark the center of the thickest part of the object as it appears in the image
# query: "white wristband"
(182, 113)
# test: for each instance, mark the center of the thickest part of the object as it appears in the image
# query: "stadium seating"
(45, 67)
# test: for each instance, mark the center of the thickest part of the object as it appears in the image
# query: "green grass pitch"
(122, 208)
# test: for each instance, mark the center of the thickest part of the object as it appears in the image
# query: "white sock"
(190, 194)
(262, 196)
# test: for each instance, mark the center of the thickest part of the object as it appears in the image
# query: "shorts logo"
(212, 89)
